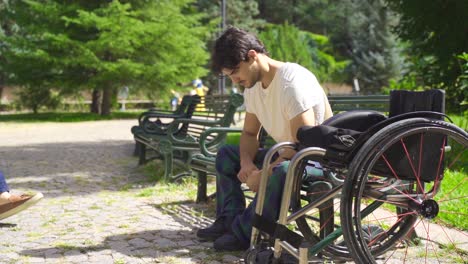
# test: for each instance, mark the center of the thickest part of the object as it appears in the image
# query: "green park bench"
(178, 140)
(340, 103)
(157, 121)
(203, 162)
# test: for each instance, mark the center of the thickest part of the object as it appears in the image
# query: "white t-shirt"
(293, 90)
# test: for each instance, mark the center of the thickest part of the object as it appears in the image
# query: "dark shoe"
(373, 233)
(216, 230)
(229, 242)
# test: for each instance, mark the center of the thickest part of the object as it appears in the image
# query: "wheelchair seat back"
(405, 157)
(402, 102)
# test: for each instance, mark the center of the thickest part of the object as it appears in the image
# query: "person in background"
(200, 90)
(174, 100)
(11, 204)
(279, 96)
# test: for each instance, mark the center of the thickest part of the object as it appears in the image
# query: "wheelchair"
(386, 183)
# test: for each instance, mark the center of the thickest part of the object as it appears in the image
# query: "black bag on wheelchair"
(340, 133)
(324, 136)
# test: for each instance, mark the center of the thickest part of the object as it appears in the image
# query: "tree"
(239, 13)
(360, 31)
(5, 30)
(437, 33)
(288, 43)
(372, 47)
(105, 45)
(309, 15)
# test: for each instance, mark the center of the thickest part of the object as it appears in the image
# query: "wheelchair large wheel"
(403, 193)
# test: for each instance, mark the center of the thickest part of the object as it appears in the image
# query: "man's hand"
(245, 172)
(253, 181)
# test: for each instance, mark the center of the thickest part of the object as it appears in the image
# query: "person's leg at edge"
(230, 200)
(3, 185)
(239, 239)
(11, 204)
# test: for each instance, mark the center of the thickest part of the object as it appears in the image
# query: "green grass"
(460, 120)
(66, 117)
(452, 192)
(233, 138)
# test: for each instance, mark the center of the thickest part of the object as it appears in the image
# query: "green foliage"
(233, 138)
(147, 45)
(408, 82)
(436, 43)
(371, 45)
(33, 97)
(460, 93)
(288, 43)
(307, 15)
(239, 13)
(452, 192)
(359, 30)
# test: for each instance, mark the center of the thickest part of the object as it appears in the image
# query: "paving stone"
(76, 258)
(139, 243)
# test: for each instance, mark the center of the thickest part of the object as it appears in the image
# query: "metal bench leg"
(201, 191)
(142, 154)
(168, 165)
(136, 150)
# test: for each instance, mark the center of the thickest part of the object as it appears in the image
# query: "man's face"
(246, 73)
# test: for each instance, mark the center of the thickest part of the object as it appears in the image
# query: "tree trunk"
(2, 85)
(95, 103)
(35, 108)
(262, 7)
(106, 101)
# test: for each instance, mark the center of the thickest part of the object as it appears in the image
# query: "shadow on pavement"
(68, 168)
(142, 244)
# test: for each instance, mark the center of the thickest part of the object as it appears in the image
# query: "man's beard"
(252, 81)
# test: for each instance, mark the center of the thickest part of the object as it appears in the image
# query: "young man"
(11, 204)
(279, 96)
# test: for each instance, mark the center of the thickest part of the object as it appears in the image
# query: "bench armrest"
(158, 114)
(174, 126)
(204, 136)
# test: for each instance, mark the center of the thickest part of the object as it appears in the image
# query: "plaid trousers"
(230, 200)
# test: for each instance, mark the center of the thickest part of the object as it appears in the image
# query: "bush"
(36, 97)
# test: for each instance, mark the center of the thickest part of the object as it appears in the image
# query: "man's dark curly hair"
(232, 47)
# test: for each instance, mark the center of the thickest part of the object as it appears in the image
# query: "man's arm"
(306, 118)
(303, 119)
(248, 146)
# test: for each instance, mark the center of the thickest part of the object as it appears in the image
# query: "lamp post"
(221, 77)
